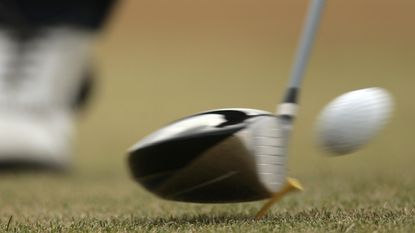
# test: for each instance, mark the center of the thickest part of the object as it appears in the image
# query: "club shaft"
(306, 42)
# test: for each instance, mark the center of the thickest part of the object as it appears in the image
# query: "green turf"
(112, 203)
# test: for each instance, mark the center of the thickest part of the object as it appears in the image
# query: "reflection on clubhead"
(225, 155)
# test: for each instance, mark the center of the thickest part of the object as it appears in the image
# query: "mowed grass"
(112, 203)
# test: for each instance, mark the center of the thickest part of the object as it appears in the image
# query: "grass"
(110, 202)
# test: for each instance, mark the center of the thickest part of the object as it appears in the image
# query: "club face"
(225, 155)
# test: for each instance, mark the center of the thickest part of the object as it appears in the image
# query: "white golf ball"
(353, 119)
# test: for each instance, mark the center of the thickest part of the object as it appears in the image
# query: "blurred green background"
(161, 60)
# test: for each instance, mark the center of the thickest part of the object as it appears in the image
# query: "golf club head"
(218, 156)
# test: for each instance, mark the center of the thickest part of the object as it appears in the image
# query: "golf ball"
(353, 119)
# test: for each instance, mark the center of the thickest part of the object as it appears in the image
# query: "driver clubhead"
(219, 156)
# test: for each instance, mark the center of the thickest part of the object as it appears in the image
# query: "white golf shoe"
(40, 76)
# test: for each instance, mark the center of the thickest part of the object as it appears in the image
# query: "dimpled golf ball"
(353, 119)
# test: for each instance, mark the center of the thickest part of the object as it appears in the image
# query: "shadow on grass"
(17, 167)
(196, 220)
(212, 220)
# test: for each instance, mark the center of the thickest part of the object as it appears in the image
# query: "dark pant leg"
(89, 14)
